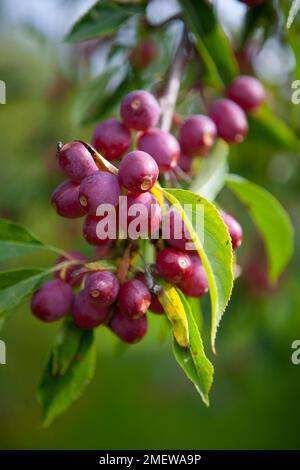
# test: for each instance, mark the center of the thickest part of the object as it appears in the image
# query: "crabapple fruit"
(68, 273)
(143, 55)
(111, 139)
(134, 298)
(99, 188)
(90, 231)
(138, 172)
(64, 199)
(195, 284)
(102, 288)
(128, 329)
(86, 314)
(173, 265)
(197, 135)
(234, 229)
(247, 92)
(52, 301)
(140, 110)
(76, 161)
(230, 119)
(162, 146)
(142, 207)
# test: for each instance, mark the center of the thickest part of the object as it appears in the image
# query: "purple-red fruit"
(138, 171)
(86, 314)
(234, 229)
(76, 161)
(52, 301)
(134, 298)
(64, 199)
(99, 188)
(128, 329)
(173, 265)
(67, 274)
(140, 110)
(230, 119)
(162, 146)
(195, 284)
(176, 233)
(143, 55)
(92, 234)
(185, 163)
(102, 288)
(143, 215)
(247, 92)
(197, 135)
(252, 3)
(111, 139)
(155, 305)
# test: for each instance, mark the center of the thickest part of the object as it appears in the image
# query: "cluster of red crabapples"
(98, 297)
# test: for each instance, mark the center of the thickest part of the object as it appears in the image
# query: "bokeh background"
(140, 398)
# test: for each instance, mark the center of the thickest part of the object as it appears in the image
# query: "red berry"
(173, 265)
(76, 161)
(230, 120)
(102, 288)
(87, 315)
(64, 199)
(93, 235)
(143, 55)
(111, 139)
(68, 273)
(134, 298)
(185, 163)
(176, 233)
(52, 301)
(234, 229)
(195, 285)
(162, 146)
(138, 172)
(143, 215)
(128, 329)
(99, 188)
(252, 3)
(155, 305)
(247, 92)
(197, 135)
(102, 251)
(140, 110)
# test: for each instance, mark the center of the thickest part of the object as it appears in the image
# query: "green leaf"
(271, 220)
(215, 252)
(212, 172)
(200, 18)
(174, 309)
(193, 359)
(16, 284)
(264, 126)
(103, 19)
(293, 12)
(16, 240)
(70, 368)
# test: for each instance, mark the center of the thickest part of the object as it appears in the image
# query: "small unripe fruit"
(134, 298)
(230, 119)
(76, 161)
(52, 301)
(99, 188)
(143, 55)
(197, 135)
(143, 207)
(234, 229)
(90, 231)
(162, 146)
(68, 273)
(128, 329)
(102, 288)
(155, 305)
(173, 265)
(140, 110)
(178, 235)
(195, 284)
(87, 315)
(247, 92)
(138, 172)
(111, 139)
(64, 199)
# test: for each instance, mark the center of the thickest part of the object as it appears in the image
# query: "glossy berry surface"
(247, 92)
(143, 55)
(234, 229)
(65, 201)
(173, 265)
(52, 301)
(138, 171)
(92, 234)
(162, 146)
(195, 284)
(67, 274)
(176, 233)
(111, 139)
(102, 287)
(230, 119)
(86, 314)
(143, 215)
(128, 329)
(75, 161)
(197, 135)
(99, 188)
(134, 298)
(185, 163)
(155, 305)
(140, 110)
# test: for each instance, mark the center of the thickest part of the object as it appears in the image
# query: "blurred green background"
(139, 399)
